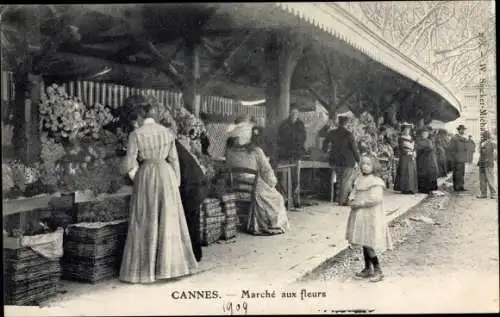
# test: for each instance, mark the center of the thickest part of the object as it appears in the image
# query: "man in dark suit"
(471, 150)
(194, 188)
(458, 155)
(344, 156)
(291, 139)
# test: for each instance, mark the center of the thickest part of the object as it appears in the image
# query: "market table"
(286, 169)
(301, 164)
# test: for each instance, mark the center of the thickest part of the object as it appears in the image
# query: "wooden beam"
(166, 66)
(318, 96)
(221, 63)
(105, 39)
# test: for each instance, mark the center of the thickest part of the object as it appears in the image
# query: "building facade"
(471, 110)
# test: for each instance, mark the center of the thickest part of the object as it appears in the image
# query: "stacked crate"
(30, 277)
(93, 251)
(212, 220)
(231, 216)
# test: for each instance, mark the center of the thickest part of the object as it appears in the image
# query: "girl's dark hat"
(461, 127)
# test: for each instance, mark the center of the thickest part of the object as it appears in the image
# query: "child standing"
(366, 225)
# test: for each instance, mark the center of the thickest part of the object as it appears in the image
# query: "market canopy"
(120, 42)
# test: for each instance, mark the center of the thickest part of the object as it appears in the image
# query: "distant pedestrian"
(486, 163)
(440, 143)
(458, 156)
(470, 149)
(406, 177)
(366, 225)
(427, 165)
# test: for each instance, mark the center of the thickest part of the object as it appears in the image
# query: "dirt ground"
(449, 266)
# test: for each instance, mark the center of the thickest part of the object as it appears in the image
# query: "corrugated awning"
(335, 20)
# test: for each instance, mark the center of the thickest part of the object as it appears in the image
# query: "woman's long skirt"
(158, 245)
(268, 214)
(406, 178)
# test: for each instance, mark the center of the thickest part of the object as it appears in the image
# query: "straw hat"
(242, 131)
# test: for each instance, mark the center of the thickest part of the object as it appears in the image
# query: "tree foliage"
(442, 36)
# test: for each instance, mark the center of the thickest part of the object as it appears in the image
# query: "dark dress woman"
(427, 165)
(194, 188)
(406, 176)
(441, 156)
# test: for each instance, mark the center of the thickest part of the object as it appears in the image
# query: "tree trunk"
(190, 91)
(26, 138)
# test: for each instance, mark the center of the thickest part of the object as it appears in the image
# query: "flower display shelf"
(23, 204)
(114, 206)
(32, 271)
(93, 251)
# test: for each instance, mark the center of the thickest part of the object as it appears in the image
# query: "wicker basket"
(96, 235)
(33, 297)
(110, 247)
(25, 253)
(230, 209)
(226, 198)
(229, 231)
(90, 270)
(231, 221)
(22, 265)
(29, 273)
(16, 289)
(211, 233)
(218, 218)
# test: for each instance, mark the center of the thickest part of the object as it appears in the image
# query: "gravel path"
(448, 266)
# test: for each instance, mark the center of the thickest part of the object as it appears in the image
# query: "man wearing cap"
(458, 155)
(344, 156)
(486, 163)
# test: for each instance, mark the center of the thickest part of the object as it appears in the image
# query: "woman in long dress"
(268, 215)
(427, 164)
(406, 177)
(158, 245)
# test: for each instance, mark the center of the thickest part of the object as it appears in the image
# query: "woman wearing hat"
(458, 155)
(406, 176)
(427, 165)
(268, 214)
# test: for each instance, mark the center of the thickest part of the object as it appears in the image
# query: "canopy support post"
(26, 134)
(190, 93)
(26, 117)
(283, 52)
